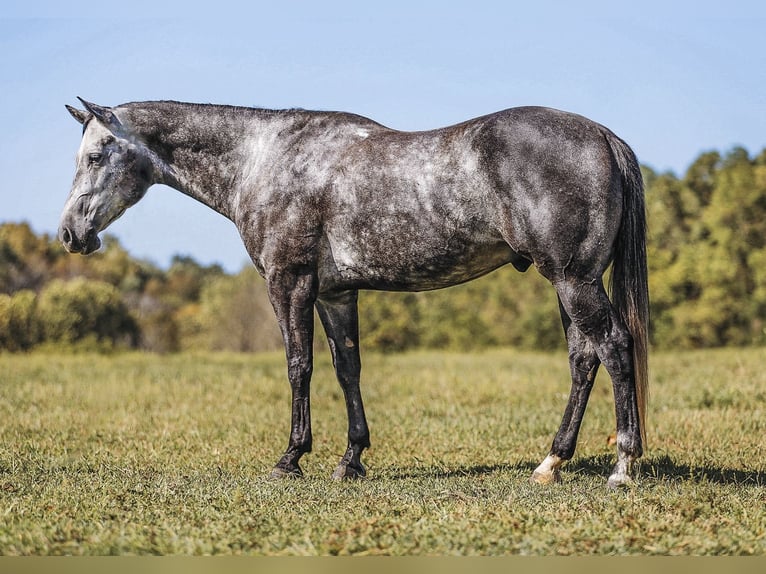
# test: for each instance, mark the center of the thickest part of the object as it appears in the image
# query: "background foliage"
(707, 259)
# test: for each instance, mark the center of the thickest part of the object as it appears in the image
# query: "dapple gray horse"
(328, 203)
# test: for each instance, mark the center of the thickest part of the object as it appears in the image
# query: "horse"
(329, 203)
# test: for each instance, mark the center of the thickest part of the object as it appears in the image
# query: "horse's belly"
(413, 263)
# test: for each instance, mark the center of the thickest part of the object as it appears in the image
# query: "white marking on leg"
(621, 474)
(548, 471)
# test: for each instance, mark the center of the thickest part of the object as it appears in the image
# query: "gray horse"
(328, 203)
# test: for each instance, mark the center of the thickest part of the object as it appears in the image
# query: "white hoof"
(550, 477)
(618, 480)
(548, 471)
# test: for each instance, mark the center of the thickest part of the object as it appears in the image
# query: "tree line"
(707, 265)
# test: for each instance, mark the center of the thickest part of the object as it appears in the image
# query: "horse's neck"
(201, 150)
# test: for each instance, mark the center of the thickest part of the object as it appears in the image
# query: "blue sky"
(672, 78)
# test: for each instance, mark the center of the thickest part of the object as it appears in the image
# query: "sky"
(674, 79)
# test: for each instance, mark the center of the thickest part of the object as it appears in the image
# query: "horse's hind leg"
(591, 312)
(340, 319)
(583, 364)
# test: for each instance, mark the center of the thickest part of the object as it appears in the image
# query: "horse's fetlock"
(359, 440)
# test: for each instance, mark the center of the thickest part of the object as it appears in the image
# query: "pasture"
(151, 454)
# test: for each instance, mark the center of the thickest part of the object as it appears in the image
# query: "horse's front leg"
(292, 295)
(340, 319)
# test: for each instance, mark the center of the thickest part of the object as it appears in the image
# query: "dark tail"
(628, 286)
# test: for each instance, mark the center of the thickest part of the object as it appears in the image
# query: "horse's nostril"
(70, 241)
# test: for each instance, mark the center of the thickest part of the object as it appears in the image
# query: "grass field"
(145, 454)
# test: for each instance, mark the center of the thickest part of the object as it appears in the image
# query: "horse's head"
(114, 170)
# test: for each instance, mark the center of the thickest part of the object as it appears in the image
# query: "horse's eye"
(95, 158)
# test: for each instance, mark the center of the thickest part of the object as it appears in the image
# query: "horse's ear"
(102, 114)
(79, 115)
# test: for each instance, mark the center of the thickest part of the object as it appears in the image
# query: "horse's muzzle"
(85, 245)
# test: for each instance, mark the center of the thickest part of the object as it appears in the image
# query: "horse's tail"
(628, 285)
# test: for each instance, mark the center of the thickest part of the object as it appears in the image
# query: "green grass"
(145, 454)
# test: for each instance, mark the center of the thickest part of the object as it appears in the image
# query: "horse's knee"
(299, 370)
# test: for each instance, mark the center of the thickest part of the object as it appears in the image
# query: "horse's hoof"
(545, 477)
(279, 472)
(617, 481)
(348, 472)
(548, 471)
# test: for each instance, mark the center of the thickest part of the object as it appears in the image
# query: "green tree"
(25, 258)
(673, 213)
(84, 310)
(735, 238)
(19, 325)
(389, 322)
(521, 310)
(706, 249)
(236, 315)
(185, 279)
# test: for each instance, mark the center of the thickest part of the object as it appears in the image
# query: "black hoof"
(281, 472)
(349, 472)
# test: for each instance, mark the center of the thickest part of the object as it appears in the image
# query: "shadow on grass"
(658, 468)
(443, 471)
(665, 467)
